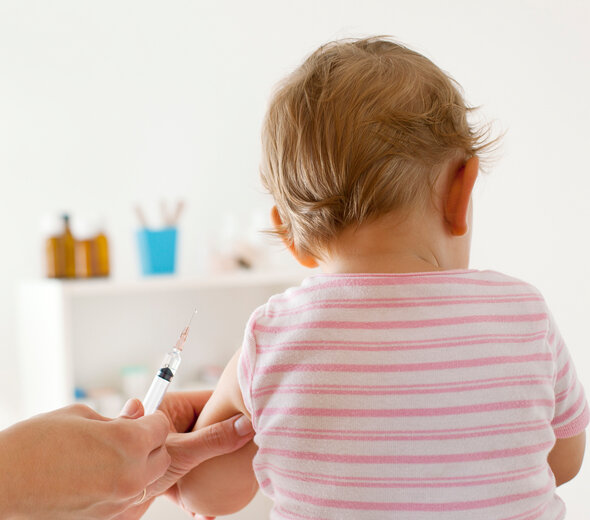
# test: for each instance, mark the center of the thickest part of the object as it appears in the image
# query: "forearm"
(565, 459)
(225, 484)
(13, 497)
(222, 485)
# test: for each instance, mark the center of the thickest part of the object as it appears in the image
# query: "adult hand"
(187, 448)
(73, 463)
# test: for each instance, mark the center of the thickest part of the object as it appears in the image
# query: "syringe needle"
(191, 320)
(162, 379)
(184, 334)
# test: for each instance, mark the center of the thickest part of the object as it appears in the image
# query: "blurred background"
(113, 105)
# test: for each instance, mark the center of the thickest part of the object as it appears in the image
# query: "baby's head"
(361, 129)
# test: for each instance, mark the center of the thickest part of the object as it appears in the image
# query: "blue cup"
(157, 250)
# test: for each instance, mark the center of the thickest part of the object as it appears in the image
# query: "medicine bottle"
(52, 228)
(102, 253)
(84, 247)
(69, 249)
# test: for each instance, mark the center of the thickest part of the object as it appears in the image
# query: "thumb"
(210, 441)
(132, 409)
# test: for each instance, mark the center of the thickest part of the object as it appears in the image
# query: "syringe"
(162, 379)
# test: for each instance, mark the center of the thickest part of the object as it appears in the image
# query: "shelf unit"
(81, 333)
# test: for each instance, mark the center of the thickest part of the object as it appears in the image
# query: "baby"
(399, 383)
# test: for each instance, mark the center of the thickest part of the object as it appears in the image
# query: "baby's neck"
(412, 245)
(382, 263)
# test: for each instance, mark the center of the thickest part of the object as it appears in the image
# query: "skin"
(225, 484)
(75, 464)
(565, 459)
(435, 237)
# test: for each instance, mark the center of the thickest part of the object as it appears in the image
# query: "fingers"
(188, 450)
(226, 436)
(156, 428)
(133, 409)
(173, 494)
(157, 463)
(198, 399)
(136, 509)
(141, 445)
(183, 408)
(211, 441)
(144, 434)
(242, 425)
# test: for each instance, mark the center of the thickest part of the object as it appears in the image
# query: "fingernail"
(243, 426)
(130, 409)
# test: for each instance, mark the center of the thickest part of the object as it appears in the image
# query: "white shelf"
(81, 333)
(172, 283)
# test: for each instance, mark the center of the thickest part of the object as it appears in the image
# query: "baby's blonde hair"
(360, 129)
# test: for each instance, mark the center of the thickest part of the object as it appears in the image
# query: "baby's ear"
(306, 260)
(459, 193)
(276, 220)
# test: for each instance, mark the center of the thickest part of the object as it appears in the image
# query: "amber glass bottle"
(54, 253)
(84, 234)
(69, 249)
(52, 229)
(84, 258)
(102, 254)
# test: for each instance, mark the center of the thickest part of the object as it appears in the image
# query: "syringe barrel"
(160, 383)
(172, 360)
(155, 395)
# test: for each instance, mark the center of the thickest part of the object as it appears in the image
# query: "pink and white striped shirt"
(409, 396)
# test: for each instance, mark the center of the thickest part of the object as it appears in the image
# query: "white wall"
(106, 103)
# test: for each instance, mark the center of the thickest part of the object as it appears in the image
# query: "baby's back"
(408, 396)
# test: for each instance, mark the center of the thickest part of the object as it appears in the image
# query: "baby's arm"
(225, 484)
(565, 459)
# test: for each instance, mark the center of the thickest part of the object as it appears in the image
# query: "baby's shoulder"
(283, 302)
(277, 306)
(510, 290)
(505, 280)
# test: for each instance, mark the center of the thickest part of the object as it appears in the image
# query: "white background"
(104, 104)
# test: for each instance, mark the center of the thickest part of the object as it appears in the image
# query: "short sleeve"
(247, 362)
(571, 408)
